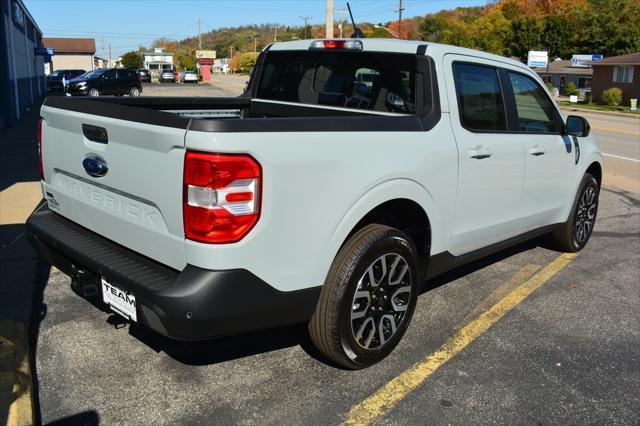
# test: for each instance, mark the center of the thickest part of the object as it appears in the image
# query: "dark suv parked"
(145, 75)
(106, 81)
(54, 80)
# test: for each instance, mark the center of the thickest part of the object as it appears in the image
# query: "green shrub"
(571, 89)
(550, 87)
(612, 96)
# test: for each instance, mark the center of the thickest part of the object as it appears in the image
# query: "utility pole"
(306, 20)
(329, 22)
(275, 32)
(341, 20)
(110, 65)
(255, 44)
(400, 9)
(199, 35)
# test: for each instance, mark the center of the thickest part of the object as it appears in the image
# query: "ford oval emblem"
(95, 165)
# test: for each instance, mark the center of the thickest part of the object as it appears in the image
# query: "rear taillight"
(39, 136)
(221, 196)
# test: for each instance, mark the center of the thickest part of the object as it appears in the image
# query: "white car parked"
(189, 77)
(348, 173)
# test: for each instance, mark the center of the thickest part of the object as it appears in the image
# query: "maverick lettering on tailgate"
(109, 201)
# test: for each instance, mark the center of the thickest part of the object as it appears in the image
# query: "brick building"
(617, 71)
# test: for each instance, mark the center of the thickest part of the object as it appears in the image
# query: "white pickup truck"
(350, 172)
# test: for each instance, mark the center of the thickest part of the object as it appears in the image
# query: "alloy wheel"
(381, 301)
(585, 214)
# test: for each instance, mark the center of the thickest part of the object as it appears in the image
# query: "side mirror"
(577, 126)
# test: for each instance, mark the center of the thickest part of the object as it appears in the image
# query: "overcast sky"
(128, 23)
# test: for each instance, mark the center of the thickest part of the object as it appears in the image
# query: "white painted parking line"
(621, 158)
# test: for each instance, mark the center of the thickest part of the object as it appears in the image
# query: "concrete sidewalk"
(19, 193)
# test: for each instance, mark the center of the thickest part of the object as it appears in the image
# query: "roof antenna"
(357, 32)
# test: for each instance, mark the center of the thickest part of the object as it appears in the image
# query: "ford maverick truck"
(350, 172)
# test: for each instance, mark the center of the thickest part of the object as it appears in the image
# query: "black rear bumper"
(191, 304)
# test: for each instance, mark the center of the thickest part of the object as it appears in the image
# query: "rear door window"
(110, 75)
(124, 75)
(358, 80)
(480, 99)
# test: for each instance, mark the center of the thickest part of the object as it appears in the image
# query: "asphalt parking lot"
(569, 353)
(220, 85)
(527, 336)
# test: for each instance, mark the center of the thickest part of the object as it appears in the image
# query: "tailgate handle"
(95, 133)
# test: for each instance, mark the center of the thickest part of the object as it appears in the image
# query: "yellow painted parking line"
(381, 402)
(612, 130)
(499, 293)
(16, 407)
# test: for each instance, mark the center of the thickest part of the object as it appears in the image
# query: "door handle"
(537, 150)
(480, 152)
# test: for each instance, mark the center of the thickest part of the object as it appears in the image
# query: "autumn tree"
(132, 60)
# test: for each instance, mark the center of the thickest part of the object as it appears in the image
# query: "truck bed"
(236, 114)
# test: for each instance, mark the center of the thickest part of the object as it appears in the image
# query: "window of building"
(584, 83)
(623, 74)
(480, 99)
(535, 110)
(18, 15)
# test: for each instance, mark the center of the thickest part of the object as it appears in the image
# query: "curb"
(595, 111)
(16, 388)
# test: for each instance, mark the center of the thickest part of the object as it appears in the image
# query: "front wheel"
(574, 234)
(368, 299)
(94, 92)
(134, 92)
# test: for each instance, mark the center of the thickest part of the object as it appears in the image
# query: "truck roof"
(393, 45)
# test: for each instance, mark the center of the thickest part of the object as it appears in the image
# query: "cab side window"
(480, 99)
(535, 110)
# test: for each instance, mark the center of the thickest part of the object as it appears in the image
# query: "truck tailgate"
(138, 202)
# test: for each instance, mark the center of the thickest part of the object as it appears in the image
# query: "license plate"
(119, 300)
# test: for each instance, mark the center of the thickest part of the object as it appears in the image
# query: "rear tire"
(574, 234)
(368, 298)
(134, 92)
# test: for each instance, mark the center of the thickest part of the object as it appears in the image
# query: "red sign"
(205, 61)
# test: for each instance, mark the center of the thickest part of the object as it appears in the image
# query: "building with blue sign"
(22, 81)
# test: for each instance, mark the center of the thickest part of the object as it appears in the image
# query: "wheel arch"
(400, 203)
(595, 169)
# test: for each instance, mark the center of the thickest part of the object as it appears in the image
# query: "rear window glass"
(360, 80)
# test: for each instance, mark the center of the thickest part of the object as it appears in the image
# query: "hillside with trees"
(505, 27)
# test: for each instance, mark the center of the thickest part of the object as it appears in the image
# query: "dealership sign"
(538, 58)
(584, 61)
(205, 54)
